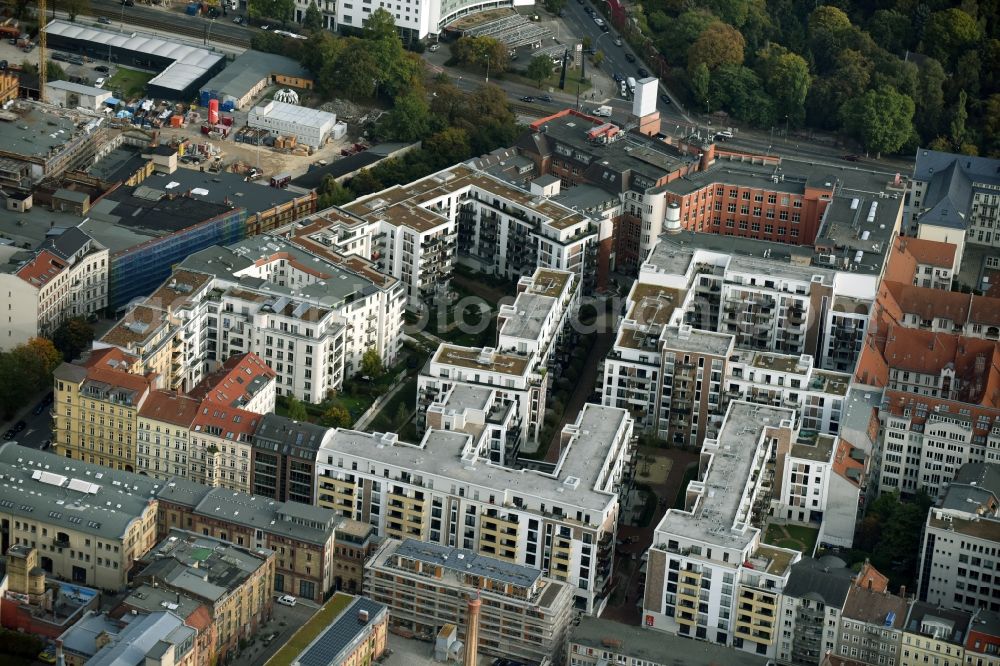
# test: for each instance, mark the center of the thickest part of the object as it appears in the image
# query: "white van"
(724, 135)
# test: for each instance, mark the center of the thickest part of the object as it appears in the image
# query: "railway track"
(198, 30)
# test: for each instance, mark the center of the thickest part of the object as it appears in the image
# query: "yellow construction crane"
(43, 66)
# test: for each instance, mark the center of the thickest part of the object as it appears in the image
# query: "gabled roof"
(41, 269)
(826, 580)
(239, 379)
(170, 407)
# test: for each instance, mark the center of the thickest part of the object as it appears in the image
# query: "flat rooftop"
(117, 165)
(320, 640)
(653, 304)
(485, 359)
(688, 338)
(440, 455)
(655, 648)
(467, 562)
(467, 396)
(769, 361)
(149, 211)
(550, 282)
(36, 131)
(718, 509)
(530, 313)
(818, 449)
(223, 188)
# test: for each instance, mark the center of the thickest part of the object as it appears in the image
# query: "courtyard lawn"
(797, 537)
(128, 82)
(311, 629)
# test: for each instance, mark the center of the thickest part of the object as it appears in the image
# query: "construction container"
(176, 121)
(227, 121)
(213, 111)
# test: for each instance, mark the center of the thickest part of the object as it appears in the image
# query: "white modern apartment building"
(767, 304)
(789, 381)
(518, 380)
(524, 615)
(820, 478)
(311, 320)
(418, 231)
(709, 576)
(960, 555)
(417, 19)
(66, 277)
(446, 491)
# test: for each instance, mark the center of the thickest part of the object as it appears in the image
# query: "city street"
(38, 428)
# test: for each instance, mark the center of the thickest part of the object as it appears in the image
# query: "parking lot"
(274, 633)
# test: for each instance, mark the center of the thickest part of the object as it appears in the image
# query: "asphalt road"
(38, 426)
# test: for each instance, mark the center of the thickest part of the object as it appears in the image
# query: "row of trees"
(26, 370)
(892, 73)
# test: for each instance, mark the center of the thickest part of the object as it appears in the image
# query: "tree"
(72, 337)
(402, 416)
(949, 33)
(991, 126)
(929, 100)
(449, 146)
(719, 44)
(598, 58)
(336, 416)
(882, 119)
(333, 193)
(280, 10)
(75, 7)
(829, 32)
(680, 34)
(381, 26)
(482, 52)
(700, 79)
(587, 42)
(313, 20)
(358, 71)
(890, 536)
(738, 90)
(371, 364)
(555, 6)
(786, 78)
(892, 29)
(539, 69)
(409, 120)
(958, 121)
(296, 411)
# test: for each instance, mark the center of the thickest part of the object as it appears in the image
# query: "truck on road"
(602, 111)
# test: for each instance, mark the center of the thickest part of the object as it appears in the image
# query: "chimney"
(60, 659)
(902, 591)
(869, 584)
(363, 616)
(472, 631)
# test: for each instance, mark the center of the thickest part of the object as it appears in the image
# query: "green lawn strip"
(310, 630)
(129, 82)
(385, 419)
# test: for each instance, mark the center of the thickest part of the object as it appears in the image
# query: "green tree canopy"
(539, 69)
(296, 410)
(279, 10)
(409, 120)
(478, 51)
(718, 44)
(336, 416)
(786, 78)
(371, 364)
(72, 337)
(313, 20)
(829, 34)
(950, 33)
(882, 120)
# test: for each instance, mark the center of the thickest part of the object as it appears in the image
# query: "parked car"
(605, 28)
(665, 99)
(9, 434)
(433, 47)
(265, 27)
(48, 655)
(238, 20)
(643, 72)
(102, 68)
(724, 135)
(105, 20)
(527, 98)
(39, 408)
(630, 57)
(19, 426)
(851, 158)
(45, 445)
(287, 600)
(99, 83)
(618, 41)
(544, 98)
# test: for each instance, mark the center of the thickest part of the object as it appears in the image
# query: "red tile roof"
(41, 269)
(921, 407)
(229, 423)
(108, 357)
(843, 460)
(228, 385)
(870, 578)
(934, 253)
(170, 407)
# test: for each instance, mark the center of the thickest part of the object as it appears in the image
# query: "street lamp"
(208, 31)
(487, 68)
(123, 17)
(786, 128)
